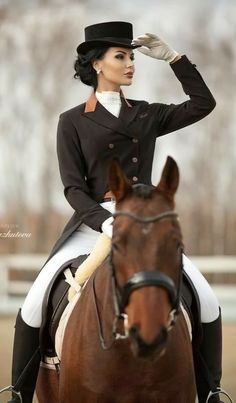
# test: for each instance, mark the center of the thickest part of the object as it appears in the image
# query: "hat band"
(110, 39)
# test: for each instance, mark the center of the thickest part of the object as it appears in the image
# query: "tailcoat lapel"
(96, 112)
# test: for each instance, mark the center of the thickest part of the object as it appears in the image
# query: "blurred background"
(38, 39)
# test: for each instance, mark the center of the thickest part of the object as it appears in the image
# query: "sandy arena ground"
(229, 356)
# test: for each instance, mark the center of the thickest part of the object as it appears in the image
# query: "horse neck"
(103, 293)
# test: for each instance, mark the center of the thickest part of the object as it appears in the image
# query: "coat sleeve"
(72, 171)
(173, 117)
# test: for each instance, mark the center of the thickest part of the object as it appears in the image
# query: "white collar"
(108, 97)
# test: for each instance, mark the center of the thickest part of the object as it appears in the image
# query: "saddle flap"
(54, 304)
(190, 301)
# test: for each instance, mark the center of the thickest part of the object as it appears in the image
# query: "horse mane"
(143, 191)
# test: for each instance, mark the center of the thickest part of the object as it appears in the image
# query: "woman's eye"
(120, 57)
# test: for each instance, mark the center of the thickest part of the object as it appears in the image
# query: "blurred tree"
(37, 65)
(210, 184)
(36, 42)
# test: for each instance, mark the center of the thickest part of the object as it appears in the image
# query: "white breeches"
(82, 242)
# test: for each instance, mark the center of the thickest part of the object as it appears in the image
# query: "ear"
(119, 183)
(169, 181)
(95, 65)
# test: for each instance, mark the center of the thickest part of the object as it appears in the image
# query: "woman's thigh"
(209, 304)
(80, 243)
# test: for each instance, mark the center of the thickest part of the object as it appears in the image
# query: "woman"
(89, 136)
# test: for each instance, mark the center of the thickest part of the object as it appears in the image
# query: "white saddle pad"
(187, 320)
(62, 324)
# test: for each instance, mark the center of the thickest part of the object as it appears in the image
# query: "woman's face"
(116, 69)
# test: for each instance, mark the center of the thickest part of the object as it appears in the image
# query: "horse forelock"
(143, 191)
(146, 193)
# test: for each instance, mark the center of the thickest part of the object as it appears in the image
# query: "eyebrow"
(125, 53)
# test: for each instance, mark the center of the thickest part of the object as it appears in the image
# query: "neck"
(103, 89)
(106, 86)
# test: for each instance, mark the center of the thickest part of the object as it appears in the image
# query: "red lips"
(129, 75)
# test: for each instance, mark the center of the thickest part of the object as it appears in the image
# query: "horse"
(127, 340)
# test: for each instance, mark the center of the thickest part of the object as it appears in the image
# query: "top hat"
(114, 33)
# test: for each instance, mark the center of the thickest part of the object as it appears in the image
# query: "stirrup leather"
(218, 391)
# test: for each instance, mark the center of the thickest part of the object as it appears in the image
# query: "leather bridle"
(138, 280)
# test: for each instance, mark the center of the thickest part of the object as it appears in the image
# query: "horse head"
(146, 257)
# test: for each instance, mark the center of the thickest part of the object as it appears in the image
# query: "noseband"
(140, 279)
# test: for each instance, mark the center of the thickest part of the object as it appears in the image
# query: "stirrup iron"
(13, 391)
(218, 391)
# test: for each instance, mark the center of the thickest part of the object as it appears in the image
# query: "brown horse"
(124, 342)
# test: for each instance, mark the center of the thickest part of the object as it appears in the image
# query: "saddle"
(54, 304)
(57, 296)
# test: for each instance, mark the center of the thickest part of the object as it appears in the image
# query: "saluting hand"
(153, 46)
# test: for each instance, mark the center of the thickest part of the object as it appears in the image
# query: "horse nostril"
(142, 348)
(162, 337)
(134, 330)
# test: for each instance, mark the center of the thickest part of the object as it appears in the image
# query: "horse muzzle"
(142, 349)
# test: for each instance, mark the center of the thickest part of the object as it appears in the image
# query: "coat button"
(135, 179)
(134, 159)
(134, 140)
(111, 145)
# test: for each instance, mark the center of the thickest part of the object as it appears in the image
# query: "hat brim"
(93, 44)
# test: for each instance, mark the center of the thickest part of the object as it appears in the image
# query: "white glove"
(154, 46)
(107, 227)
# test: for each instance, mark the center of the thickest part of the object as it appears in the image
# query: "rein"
(138, 280)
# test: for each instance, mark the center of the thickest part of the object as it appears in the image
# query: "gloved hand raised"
(153, 46)
(107, 227)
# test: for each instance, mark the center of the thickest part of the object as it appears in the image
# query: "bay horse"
(127, 340)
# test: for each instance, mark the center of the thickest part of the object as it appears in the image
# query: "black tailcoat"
(89, 136)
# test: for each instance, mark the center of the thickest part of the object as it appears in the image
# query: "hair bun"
(82, 59)
(83, 66)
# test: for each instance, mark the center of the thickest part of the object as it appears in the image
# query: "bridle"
(138, 280)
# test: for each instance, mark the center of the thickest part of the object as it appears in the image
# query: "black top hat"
(114, 33)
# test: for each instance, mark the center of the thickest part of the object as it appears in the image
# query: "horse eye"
(115, 247)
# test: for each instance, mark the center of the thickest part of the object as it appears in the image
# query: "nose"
(130, 63)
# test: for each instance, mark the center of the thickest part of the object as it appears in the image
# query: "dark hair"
(84, 68)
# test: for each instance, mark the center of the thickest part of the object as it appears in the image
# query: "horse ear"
(169, 179)
(119, 183)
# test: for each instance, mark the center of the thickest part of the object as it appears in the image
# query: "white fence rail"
(17, 273)
(221, 274)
